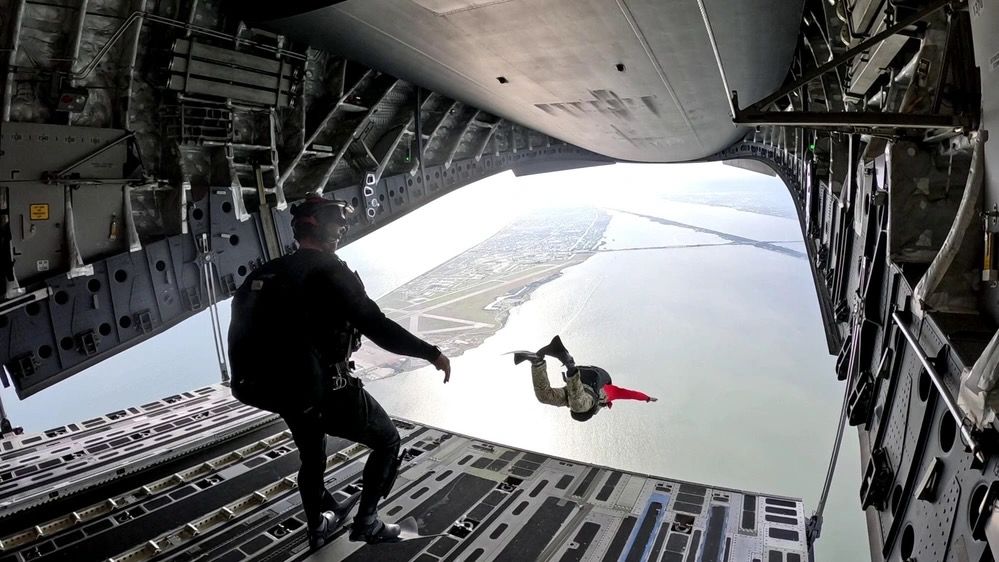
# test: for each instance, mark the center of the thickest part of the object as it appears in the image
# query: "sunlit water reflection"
(728, 337)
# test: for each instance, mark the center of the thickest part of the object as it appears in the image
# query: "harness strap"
(342, 377)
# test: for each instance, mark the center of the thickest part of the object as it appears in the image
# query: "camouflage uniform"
(573, 394)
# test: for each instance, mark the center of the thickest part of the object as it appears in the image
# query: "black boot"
(521, 356)
(343, 509)
(318, 536)
(330, 522)
(558, 351)
(374, 532)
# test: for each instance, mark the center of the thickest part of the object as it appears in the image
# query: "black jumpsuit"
(334, 302)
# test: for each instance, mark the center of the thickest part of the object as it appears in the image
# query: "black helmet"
(582, 416)
(314, 214)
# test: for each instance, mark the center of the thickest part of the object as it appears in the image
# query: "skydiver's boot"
(558, 351)
(320, 534)
(374, 532)
(342, 510)
(521, 356)
(330, 522)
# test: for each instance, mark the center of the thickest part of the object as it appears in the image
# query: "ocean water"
(727, 335)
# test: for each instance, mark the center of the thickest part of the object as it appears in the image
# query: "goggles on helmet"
(321, 212)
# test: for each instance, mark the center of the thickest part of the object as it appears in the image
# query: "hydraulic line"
(209, 270)
(813, 527)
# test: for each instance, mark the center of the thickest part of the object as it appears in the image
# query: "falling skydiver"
(588, 388)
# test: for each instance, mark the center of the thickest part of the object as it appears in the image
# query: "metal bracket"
(983, 527)
(927, 487)
(813, 529)
(991, 216)
(144, 321)
(134, 244)
(24, 300)
(13, 289)
(842, 361)
(370, 198)
(228, 284)
(192, 298)
(77, 268)
(87, 342)
(24, 365)
(861, 403)
(876, 485)
(235, 187)
(272, 243)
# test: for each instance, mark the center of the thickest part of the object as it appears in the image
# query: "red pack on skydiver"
(588, 388)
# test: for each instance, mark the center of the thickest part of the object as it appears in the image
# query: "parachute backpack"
(593, 379)
(274, 366)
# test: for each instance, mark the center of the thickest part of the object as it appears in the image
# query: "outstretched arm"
(364, 314)
(616, 392)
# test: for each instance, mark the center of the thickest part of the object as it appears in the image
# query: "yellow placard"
(39, 212)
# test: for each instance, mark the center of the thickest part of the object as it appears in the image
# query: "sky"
(718, 197)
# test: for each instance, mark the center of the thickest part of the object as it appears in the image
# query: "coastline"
(459, 304)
